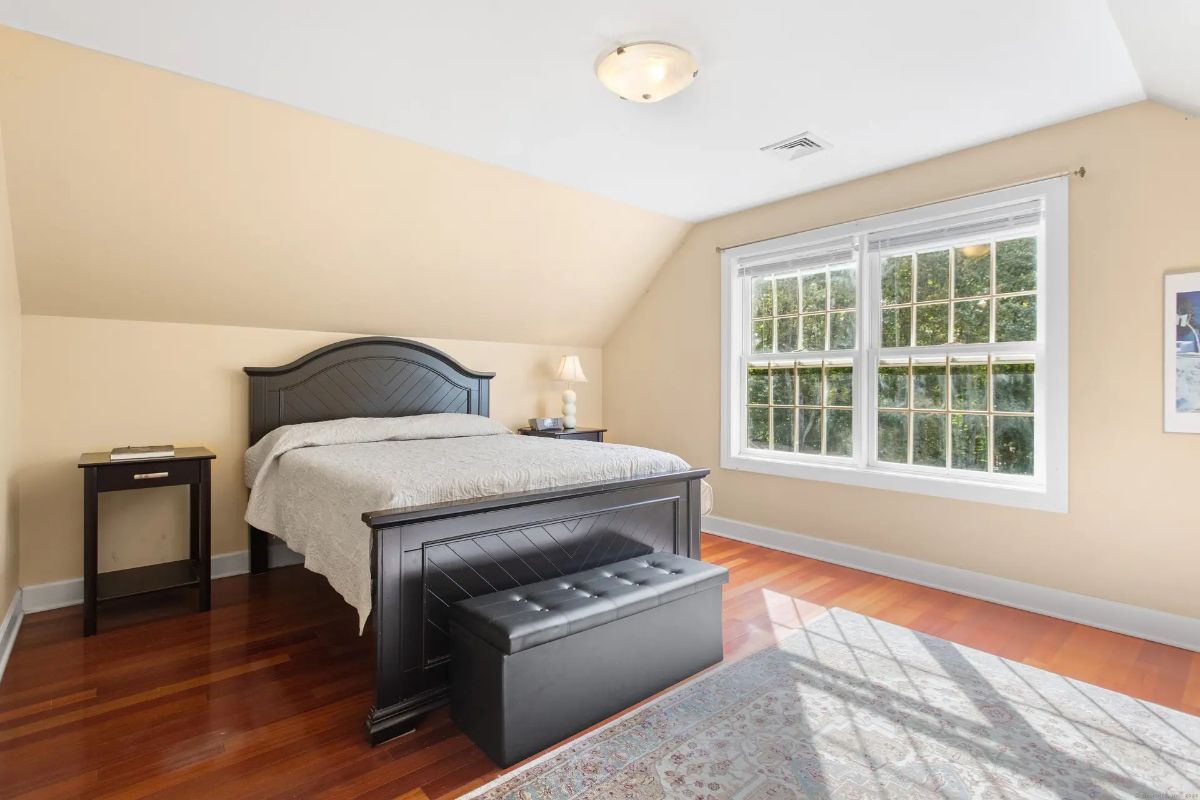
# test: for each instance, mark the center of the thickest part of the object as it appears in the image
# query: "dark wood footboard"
(426, 558)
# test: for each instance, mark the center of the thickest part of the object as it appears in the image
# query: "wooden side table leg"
(90, 549)
(202, 515)
(194, 524)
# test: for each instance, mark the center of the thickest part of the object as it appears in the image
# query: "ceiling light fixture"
(646, 72)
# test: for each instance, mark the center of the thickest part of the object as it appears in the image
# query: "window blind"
(963, 226)
(838, 251)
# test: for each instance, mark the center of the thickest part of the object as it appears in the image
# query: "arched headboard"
(375, 376)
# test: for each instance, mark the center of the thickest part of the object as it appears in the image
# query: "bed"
(423, 558)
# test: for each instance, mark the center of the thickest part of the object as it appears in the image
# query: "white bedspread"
(310, 484)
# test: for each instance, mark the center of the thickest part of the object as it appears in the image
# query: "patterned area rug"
(851, 707)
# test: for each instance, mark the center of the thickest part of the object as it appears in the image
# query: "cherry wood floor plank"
(264, 697)
(156, 693)
(46, 706)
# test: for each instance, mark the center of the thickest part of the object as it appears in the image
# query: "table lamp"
(571, 371)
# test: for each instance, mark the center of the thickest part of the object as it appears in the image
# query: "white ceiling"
(511, 83)
(1163, 37)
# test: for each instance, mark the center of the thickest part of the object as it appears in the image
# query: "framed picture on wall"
(1181, 362)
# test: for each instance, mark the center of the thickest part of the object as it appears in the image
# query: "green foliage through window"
(933, 275)
(963, 405)
(804, 311)
(787, 334)
(929, 440)
(1016, 319)
(843, 288)
(973, 270)
(969, 442)
(897, 327)
(814, 332)
(787, 295)
(814, 292)
(893, 386)
(929, 385)
(1016, 265)
(1012, 387)
(933, 324)
(972, 321)
(801, 408)
(893, 437)
(974, 415)
(1013, 445)
(968, 387)
(970, 294)
(896, 281)
(762, 297)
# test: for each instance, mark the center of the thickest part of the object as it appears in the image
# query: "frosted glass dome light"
(647, 72)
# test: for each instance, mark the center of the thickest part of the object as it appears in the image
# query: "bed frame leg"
(260, 545)
(383, 727)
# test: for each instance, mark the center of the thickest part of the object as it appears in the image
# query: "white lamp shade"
(570, 370)
(647, 72)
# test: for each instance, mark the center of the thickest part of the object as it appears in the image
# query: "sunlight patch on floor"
(788, 614)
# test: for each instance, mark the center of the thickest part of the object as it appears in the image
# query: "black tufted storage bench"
(534, 665)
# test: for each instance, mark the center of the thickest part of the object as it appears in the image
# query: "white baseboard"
(9, 628)
(59, 594)
(1157, 626)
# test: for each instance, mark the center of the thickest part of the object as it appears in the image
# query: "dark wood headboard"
(375, 376)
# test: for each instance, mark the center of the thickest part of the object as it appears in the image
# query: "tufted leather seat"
(512, 621)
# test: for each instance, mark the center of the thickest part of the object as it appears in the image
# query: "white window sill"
(1041, 497)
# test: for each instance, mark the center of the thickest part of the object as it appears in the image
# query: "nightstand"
(586, 434)
(189, 466)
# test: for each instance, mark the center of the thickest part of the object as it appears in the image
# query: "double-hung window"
(922, 351)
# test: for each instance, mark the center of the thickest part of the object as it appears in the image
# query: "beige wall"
(141, 194)
(10, 399)
(94, 384)
(138, 194)
(1132, 534)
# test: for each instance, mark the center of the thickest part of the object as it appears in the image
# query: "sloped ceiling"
(511, 83)
(140, 194)
(1163, 37)
(312, 197)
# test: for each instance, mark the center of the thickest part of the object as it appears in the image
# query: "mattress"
(311, 483)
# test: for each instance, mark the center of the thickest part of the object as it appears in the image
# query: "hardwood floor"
(265, 696)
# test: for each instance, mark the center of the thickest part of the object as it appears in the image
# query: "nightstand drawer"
(589, 436)
(583, 434)
(145, 474)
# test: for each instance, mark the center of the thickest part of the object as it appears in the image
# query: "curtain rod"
(1078, 173)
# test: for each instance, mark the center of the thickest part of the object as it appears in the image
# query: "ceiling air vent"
(793, 147)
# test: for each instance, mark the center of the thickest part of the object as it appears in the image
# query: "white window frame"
(1047, 491)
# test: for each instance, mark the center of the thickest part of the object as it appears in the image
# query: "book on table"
(149, 451)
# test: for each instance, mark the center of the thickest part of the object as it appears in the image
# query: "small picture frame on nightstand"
(546, 423)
